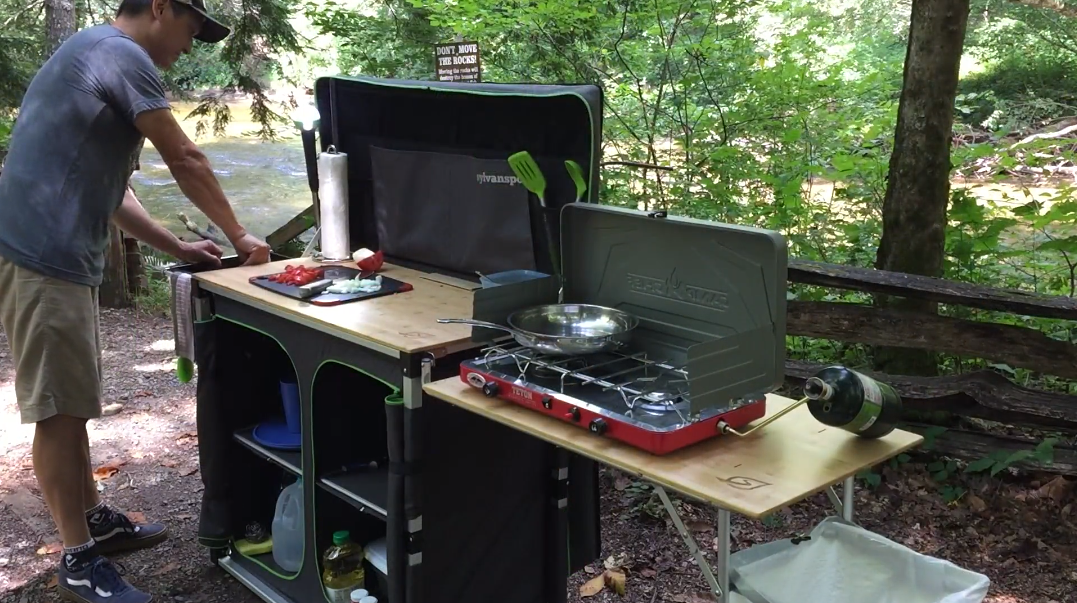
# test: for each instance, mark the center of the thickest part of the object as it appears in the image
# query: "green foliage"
(1029, 57)
(259, 29)
(5, 136)
(951, 493)
(394, 40)
(156, 298)
(941, 470)
(869, 477)
(201, 69)
(19, 57)
(1000, 460)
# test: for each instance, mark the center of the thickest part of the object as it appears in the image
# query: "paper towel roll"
(333, 195)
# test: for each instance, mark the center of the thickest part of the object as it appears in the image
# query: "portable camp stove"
(629, 397)
(710, 299)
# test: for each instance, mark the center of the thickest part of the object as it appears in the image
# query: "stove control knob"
(490, 388)
(573, 414)
(547, 402)
(598, 426)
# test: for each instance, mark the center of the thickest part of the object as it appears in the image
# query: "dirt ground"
(1019, 532)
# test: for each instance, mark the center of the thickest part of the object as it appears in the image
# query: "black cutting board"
(389, 286)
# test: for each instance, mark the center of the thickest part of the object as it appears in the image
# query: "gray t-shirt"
(72, 152)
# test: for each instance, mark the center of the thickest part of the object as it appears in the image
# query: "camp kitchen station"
(477, 333)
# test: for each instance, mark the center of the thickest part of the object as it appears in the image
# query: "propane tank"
(843, 398)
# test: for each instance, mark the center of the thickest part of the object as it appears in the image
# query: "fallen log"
(974, 445)
(859, 323)
(932, 289)
(982, 395)
(1044, 135)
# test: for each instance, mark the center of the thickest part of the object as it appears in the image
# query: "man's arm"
(190, 168)
(133, 219)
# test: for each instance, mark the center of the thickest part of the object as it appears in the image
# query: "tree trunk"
(115, 291)
(59, 22)
(135, 264)
(918, 187)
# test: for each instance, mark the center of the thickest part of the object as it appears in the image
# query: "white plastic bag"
(845, 563)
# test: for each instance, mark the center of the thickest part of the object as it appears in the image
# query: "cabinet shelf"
(366, 490)
(266, 584)
(288, 459)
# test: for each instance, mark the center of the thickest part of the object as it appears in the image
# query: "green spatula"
(576, 173)
(525, 168)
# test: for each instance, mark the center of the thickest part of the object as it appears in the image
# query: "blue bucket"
(289, 393)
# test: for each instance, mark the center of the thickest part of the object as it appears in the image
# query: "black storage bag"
(454, 211)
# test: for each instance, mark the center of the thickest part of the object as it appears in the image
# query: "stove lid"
(711, 297)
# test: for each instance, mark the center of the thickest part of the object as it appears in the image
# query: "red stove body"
(623, 396)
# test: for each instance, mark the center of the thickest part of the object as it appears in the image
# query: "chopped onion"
(348, 286)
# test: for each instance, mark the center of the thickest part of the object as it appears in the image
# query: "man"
(82, 120)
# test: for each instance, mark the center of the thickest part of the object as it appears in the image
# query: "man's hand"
(201, 252)
(251, 249)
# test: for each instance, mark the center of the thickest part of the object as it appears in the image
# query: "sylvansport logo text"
(485, 178)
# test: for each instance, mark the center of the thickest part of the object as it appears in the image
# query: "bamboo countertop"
(404, 322)
(783, 463)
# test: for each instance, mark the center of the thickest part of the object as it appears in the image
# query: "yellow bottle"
(343, 568)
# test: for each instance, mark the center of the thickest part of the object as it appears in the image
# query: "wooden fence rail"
(983, 394)
(931, 289)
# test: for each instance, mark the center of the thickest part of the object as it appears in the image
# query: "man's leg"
(112, 530)
(60, 470)
(90, 498)
(51, 328)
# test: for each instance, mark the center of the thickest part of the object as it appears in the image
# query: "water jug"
(288, 528)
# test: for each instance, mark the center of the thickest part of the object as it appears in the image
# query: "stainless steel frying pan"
(564, 329)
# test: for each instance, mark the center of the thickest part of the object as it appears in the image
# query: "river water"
(266, 182)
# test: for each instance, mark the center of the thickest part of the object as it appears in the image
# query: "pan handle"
(481, 323)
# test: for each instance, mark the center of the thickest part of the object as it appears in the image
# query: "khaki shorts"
(52, 328)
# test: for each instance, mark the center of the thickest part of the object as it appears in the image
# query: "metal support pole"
(725, 538)
(847, 499)
(719, 584)
(844, 505)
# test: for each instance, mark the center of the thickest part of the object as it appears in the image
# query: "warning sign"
(458, 62)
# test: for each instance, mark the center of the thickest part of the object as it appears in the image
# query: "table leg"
(847, 499)
(413, 513)
(725, 538)
(844, 505)
(717, 580)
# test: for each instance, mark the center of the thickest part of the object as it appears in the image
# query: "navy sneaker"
(97, 582)
(114, 532)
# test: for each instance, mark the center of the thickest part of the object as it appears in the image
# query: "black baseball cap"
(212, 30)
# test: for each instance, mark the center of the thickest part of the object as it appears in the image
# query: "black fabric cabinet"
(486, 495)
(472, 511)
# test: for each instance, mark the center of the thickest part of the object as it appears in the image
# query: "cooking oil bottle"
(343, 568)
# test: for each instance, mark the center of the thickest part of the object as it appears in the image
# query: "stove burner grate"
(645, 385)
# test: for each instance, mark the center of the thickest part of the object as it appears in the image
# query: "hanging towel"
(182, 325)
